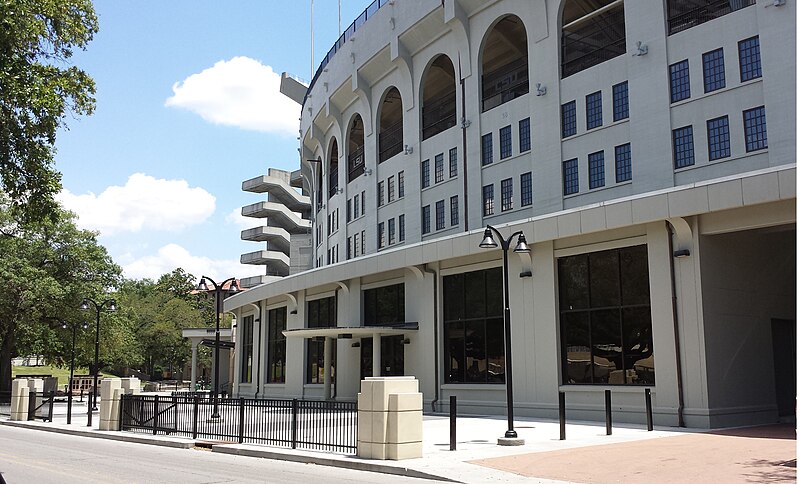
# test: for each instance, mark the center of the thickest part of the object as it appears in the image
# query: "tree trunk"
(6, 347)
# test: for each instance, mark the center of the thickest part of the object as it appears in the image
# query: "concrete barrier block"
(378, 451)
(386, 386)
(35, 385)
(404, 427)
(411, 450)
(365, 397)
(364, 426)
(405, 402)
(379, 421)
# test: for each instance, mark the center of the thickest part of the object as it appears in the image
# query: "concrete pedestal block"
(110, 389)
(389, 418)
(131, 386)
(19, 400)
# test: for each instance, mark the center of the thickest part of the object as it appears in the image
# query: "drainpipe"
(678, 364)
(435, 337)
(463, 148)
(258, 360)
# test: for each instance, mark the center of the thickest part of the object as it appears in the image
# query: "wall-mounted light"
(681, 253)
(340, 190)
(345, 336)
(368, 171)
(293, 311)
(541, 89)
(357, 344)
(526, 274)
(408, 150)
(641, 49)
(465, 123)
(406, 341)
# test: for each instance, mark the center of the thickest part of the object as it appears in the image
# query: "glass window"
(571, 176)
(276, 346)
(439, 168)
(246, 339)
(473, 327)
(684, 14)
(569, 123)
(750, 59)
(486, 149)
(381, 235)
(453, 211)
(363, 202)
(380, 193)
(525, 135)
(683, 146)
(321, 313)
(620, 95)
(426, 219)
(755, 129)
(356, 245)
(349, 209)
(597, 171)
(401, 184)
(526, 187)
(679, 81)
(385, 306)
(349, 248)
(622, 162)
(392, 233)
(719, 141)
(606, 330)
(401, 222)
(426, 174)
(440, 215)
(594, 110)
(507, 194)
(488, 200)
(505, 142)
(363, 242)
(453, 162)
(713, 70)
(390, 188)
(356, 206)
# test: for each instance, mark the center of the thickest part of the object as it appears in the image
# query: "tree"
(46, 268)
(37, 91)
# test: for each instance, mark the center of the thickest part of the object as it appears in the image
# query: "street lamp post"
(488, 242)
(74, 328)
(218, 290)
(109, 305)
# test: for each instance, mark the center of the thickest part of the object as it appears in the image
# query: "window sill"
(717, 91)
(597, 129)
(721, 160)
(506, 160)
(494, 387)
(600, 388)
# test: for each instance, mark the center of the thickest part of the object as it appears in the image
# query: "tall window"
(401, 222)
(507, 194)
(392, 232)
(356, 206)
(438, 97)
(488, 200)
(486, 149)
(622, 162)
(246, 370)
(606, 329)
(363, 202)
(620, 95)
(713, 70)
(333, 170)
(719, 141)
(380, 193)
(439, 168)
(594, 110)
(570, 176)
(453, 162)
(473, 327)
(321, 314)
(504, 63)
(349, 209)
(440, 215)
(276, 346)
(505, 142)
(569, 124)
(355, 149)
(755, 129)
(390, 131)
(357, 245)
(390, 189)
(385, 306)
(592, 32)
(750, 59)
(526, 189)
(426, 219)
(679, 81)
(425, 169)
(683, 146)
(401, 184)
(381, 236)
(454, 210)
(597, 172)
(524, 135)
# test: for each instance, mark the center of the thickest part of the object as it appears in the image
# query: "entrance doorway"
(392, 359)
(784, 355)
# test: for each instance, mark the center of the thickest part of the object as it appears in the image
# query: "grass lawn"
(61, 373)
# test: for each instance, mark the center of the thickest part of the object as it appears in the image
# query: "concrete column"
(327, 365)
(110, 389)
(376, 354)
(194, 365)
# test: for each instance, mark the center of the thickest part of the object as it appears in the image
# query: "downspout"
(258, 360)
(678, 364)
(464, 125)
(435, 337)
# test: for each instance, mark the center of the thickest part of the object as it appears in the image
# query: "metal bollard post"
(194, 421)
(155, 414)
(88, 409)
(241, 420)
(648, 403)
(453, 413)
(294, 423)
(608, 412)
(562, 415)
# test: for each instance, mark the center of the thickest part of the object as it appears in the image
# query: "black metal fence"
(303, 424)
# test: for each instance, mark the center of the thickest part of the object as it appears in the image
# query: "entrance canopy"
(352, 332)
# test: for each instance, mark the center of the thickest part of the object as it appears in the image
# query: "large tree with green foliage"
(46, 267)
(38, 89)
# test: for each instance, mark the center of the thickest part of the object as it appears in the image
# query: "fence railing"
(303, 424)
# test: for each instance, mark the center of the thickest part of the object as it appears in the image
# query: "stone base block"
(509, 441)
(408, 450)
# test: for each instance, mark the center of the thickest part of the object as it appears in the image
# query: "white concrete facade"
(713, 313)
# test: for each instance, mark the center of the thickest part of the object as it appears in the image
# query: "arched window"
(683, 15)
(505, 63)
(438, 97)
(390, 137)
(593, 31)
(333, 169)
(355, 149)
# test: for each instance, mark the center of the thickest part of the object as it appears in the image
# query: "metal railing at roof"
(371, 10)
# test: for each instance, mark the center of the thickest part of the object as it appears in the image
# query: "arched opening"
(505, 63)
(438, 97)
(355, 149)
(390, 137)
(333, 169)
(318, 167)
(592, 32)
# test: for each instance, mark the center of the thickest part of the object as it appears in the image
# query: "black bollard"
(562, 415)
(608, 412)
(648, 403)
(453, 413)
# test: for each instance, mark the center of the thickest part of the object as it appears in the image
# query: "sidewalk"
(588, 455)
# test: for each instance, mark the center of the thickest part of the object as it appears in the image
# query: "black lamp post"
(74, 328)
(109, 305)
(218, 290)
(488, 242)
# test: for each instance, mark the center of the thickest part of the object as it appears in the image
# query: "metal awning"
(223, 345)
(345, 332)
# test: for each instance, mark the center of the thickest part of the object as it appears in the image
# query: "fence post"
(294, 423)
(121, 410)
(648, 403)
(195, 411)
(155, 414)
(453, 414)
(562, 416)
(241, 420)
(50, 412)
(608, 412)
(31, 405)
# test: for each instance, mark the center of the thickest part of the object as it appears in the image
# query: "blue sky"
(187, 109)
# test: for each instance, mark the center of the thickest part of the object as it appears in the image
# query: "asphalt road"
(30, 456)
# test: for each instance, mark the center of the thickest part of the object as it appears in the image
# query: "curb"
(136, 439)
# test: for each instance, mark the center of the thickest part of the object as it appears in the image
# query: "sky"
(188, 107)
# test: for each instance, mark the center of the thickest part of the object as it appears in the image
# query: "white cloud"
(171, 256)
(240, 92)
(236, 218)
(144, 203)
